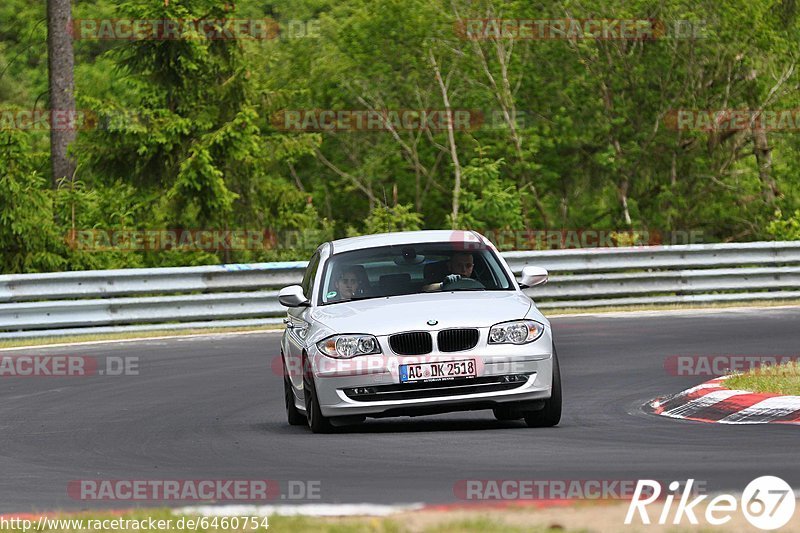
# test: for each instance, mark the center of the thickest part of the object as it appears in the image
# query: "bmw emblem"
(432, 322)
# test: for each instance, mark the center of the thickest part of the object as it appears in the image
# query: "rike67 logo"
(767, 502)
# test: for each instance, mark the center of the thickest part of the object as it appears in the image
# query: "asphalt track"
(212, 408)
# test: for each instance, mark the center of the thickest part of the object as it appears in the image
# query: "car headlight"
(347, 346)
(516, 332)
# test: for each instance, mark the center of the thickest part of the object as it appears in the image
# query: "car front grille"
(457, 340)
(411, 343)
(455, 387)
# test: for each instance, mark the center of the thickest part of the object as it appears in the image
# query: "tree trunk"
(623, 198)
(763, 153)
(451, 141)
(62, 98)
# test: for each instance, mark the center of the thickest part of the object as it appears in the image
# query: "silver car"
(416, 323)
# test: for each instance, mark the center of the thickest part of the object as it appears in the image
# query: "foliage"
(785, 228)
(564, 133)
(488, 202)
(28, 238)
(383, 219)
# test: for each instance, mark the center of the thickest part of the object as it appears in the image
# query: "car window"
(409, 269)
(308, 277)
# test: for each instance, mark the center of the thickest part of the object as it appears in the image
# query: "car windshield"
(410, 269)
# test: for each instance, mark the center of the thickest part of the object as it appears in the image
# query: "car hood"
(383, 316)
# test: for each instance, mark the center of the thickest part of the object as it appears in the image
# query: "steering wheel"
(464, 283)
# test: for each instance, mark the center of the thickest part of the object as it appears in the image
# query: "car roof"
(404, 237)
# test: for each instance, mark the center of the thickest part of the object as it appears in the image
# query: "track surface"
(211, 408)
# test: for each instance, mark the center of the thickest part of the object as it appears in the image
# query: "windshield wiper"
(364, 297)
(353, 299)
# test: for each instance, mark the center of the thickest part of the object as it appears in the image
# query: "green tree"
(29, 240)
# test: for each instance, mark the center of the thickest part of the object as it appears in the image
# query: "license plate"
(443, 371)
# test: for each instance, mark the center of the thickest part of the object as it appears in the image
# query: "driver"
(348, 284)
(460, 266)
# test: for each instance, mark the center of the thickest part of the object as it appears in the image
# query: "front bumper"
(371, 386)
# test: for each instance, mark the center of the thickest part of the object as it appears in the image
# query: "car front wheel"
(293, 415)
(550, 415)
(316, 421)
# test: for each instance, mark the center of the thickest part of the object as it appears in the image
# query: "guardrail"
(66, 303)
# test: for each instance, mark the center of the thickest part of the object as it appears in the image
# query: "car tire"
(550, 415)
(317, 423)
(293, 415)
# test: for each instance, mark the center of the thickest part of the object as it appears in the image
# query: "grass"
(779, 379)
(484, 524)
(42, 341)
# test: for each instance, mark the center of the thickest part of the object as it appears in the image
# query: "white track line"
(140, 339)
(311, 509)
(657, 312)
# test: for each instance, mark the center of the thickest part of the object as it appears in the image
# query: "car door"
(297, 324)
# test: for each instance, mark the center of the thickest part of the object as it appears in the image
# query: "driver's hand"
(449, 280)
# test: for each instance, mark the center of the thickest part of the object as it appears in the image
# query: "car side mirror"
(533, 276)
(292, 296)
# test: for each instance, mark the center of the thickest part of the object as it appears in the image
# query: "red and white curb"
(713, 402)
